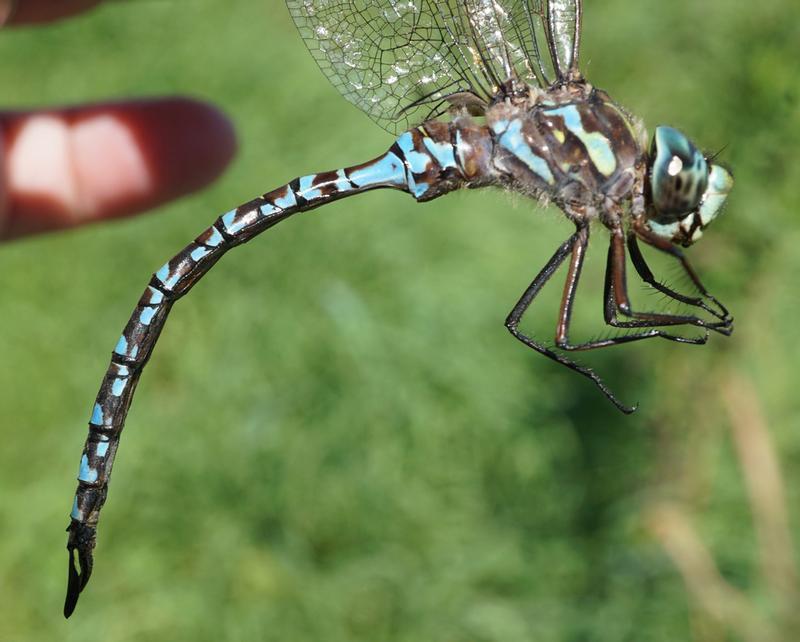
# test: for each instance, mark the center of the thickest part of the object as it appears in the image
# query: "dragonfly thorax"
(572, 144)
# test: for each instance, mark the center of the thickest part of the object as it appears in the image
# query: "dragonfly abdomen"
(426, 161)
(441, 157)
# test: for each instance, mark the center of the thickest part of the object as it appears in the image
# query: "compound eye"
(678, 175)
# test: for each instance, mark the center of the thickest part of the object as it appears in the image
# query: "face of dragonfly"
(686, 190)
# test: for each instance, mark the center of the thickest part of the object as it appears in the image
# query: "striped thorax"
(572, 145)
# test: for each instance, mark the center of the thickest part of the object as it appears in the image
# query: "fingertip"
(134, 156)
(81, 164)
(188, 143)
(33, 12)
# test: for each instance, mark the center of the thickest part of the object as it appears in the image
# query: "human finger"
(71, 166)
(18, 12)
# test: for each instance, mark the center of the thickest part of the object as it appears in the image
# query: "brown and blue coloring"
(518, 115)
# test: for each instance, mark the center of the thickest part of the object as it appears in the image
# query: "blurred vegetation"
(336, 439)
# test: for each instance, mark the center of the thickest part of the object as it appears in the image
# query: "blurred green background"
(336, 438)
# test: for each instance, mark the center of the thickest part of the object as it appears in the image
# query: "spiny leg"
(726, 320)
(579, 240)
(617, 300)
(646, 274)
(568, 300)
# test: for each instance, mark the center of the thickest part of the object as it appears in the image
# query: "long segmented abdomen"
(425, 162)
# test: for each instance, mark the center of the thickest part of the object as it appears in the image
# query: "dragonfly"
(478, 93)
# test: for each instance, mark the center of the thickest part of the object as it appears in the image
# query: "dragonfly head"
(686, 189)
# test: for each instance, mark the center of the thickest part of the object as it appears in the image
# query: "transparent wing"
(403, 61)
(564, 30)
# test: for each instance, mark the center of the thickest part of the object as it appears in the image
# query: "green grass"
(336, 439)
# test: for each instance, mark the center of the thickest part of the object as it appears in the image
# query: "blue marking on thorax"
(102, 449)
(118, 387)
(75, 513)
(86, 474)
(499, 126)
(122, 346)
(199, 252)
(512, 139)
(597, 145)
(97, 415)
(387, 170)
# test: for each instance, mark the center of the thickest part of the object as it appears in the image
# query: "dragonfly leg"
(617, 300)
(575, 245)
(724, 326)
(568, 300)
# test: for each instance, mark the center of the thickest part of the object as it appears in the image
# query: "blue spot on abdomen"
(86, 474)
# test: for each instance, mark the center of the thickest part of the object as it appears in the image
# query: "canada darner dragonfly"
(515, 113)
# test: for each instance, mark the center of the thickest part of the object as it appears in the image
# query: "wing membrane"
(564, 25)
(399, 60)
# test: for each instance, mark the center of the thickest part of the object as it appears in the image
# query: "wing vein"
(400, 60)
